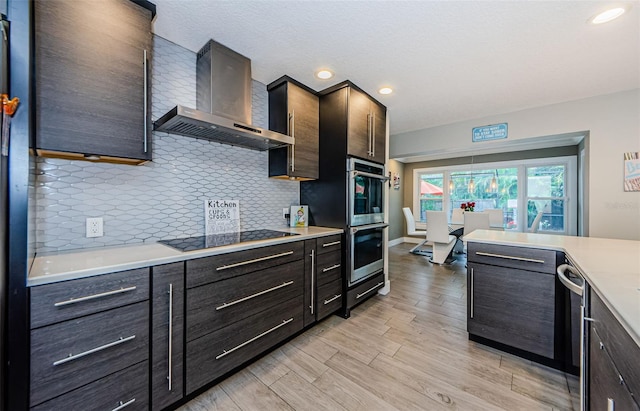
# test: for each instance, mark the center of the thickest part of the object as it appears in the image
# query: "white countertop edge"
(563, 244)
(70, 265)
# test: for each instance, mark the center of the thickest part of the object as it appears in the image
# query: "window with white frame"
(521, 189)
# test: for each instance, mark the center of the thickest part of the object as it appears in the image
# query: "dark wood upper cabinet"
(294, 110)
(359, 119)
(92, 80)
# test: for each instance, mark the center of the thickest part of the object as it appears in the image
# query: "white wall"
(612, 122)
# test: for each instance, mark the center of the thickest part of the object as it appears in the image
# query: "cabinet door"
(310, 281)
(167, 333)
(90, 74)
(379, 133)
(607, 389)
(512, 307)
(305, 112)
(359, 125)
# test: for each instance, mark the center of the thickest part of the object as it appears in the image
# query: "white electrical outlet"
(285, 212)
(94, 227)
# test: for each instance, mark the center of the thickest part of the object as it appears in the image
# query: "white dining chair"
(457, 216)
(496, 217)
(412, 231)
(438, 235)
(475, 221)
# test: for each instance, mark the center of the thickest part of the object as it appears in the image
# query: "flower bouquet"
(468, 206)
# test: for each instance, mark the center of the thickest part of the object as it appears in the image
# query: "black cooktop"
(218, 240)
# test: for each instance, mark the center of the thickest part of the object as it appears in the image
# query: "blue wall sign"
(492, 132)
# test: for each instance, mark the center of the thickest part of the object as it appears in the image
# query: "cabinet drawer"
(329, 244)
(365, 290)
(532, 259)
(52, 303)
(624, 352)
(127, 389)
(70, 354)
(210, 269)
(216, 305)
(329, 298)
(329, 267)
(217, 353)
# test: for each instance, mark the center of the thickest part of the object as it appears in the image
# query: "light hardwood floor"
(408, 350)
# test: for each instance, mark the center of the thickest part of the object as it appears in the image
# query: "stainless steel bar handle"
(369, 290)
(333, 267)
(72, 357)
(471, 294)
(335, 297)
(237, 347)
(369, 133)
(256, 260)
(293, 146)
(124, 404)
(583, 358)
(169, 377)
(227, 305)
(611, 405)
(510, 257)
(94, 296)
(331, 243)
(368, 227)
(373, 135)
(575, 288)
(371, 175)
(146, 98)
(313, 281)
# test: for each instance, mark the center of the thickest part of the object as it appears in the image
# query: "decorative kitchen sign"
(631, 171)
(221, 216)
(396, 181)
(299, 216)
(490, 132)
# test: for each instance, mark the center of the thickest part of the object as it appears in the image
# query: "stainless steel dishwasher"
(571, 278)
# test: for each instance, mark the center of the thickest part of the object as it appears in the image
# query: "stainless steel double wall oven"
(366, 210)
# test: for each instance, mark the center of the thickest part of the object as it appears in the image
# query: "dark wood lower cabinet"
(215, 354)
(614, 362)
(513, 307)
(70, 354)
(167, 332)
(364, 290)
(329, 298)
(213, 306)
(127, 389)
(607, 389)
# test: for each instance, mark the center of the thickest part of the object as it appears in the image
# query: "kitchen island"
(610, 266)
(515, 303)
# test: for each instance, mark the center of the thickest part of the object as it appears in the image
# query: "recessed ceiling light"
(385, 90)
(324, 74)
(608, 15)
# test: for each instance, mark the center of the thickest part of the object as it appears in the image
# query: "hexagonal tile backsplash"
(164, 198)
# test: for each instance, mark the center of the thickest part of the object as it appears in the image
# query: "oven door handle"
(356, 173)
(368, 227)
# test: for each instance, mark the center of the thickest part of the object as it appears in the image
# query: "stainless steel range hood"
(223, 101)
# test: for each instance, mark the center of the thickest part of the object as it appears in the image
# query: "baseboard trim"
(397, 241)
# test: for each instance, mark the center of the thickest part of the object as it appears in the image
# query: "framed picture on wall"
(632, 171)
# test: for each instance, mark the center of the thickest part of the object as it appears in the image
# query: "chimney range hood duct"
(223, 104)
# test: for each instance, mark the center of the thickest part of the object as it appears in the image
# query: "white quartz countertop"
(85, 263)
(612, 267)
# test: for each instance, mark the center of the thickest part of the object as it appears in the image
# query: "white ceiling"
(447, 61)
